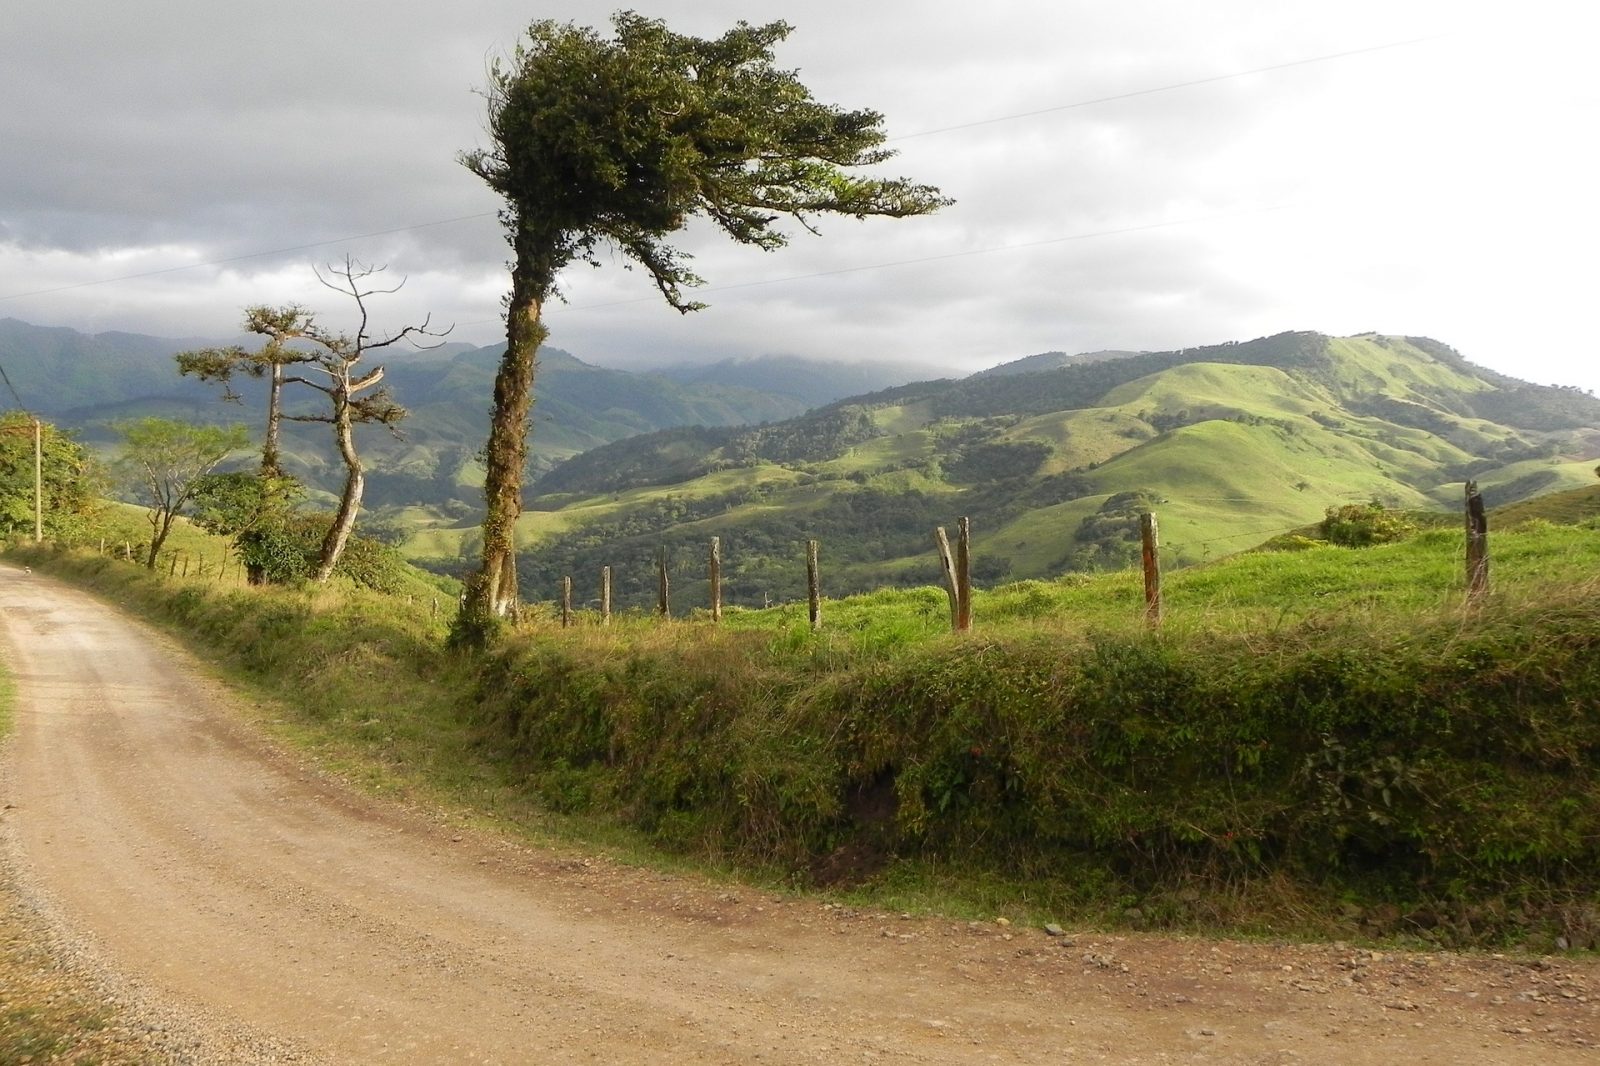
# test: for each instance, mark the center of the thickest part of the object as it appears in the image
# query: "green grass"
(1216, 390)
(902, 446)
(7, 702)
(1250, 592)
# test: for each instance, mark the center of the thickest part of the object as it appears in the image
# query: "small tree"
(352, 391)
(164, 461)
(619, 142)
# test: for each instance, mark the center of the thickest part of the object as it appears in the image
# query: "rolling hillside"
(1229, 444)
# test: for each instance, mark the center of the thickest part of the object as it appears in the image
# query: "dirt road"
(249, 904)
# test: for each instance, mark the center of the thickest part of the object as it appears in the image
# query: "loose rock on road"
(247, 908)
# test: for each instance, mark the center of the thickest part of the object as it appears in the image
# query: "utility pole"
(38, 483)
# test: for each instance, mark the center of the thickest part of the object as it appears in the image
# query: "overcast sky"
(1432, 171)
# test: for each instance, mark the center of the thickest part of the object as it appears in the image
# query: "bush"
(287, 552)
(1358, 525)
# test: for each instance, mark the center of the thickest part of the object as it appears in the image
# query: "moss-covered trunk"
(492, 591)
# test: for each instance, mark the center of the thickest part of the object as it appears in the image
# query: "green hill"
(1230, 444)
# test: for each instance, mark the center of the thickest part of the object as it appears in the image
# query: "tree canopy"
(163, 462)
(618, 142)
(622, 140)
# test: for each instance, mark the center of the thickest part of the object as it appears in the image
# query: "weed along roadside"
(1361, 772)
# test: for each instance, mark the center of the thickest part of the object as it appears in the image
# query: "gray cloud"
(1422, 188)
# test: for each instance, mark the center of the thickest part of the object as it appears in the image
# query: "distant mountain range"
(86, 382)
(1052, 456)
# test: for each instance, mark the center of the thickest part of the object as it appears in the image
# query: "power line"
(903, 137)
(12, 389)
(1213, 79)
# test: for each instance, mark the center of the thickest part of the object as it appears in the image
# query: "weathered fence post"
(127, 551)
(963, 577)
(1149, 545)
(566, 602)
(605, 595)
(172, 571)
(716, 579)
(813, 585)
(185, 564)
(1477, 545)
(957, 566)
(947, 563)
(663, 585)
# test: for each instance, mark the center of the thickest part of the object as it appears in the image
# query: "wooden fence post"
(127, 551)
(1149, 544)
(1477, 545)
(814, 585)
(605, 595)
(172, 571)
(963, 577)
(663, 585)
(566, 602)
(947, 563)
(716, 579)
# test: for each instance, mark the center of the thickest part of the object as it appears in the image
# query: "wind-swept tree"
(618, 142)
(163, 461)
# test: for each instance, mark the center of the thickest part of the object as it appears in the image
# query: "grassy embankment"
(1319, 742)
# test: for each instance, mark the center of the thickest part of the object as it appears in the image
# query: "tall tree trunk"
(344, 520)
(492, 591)
(270, 466)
